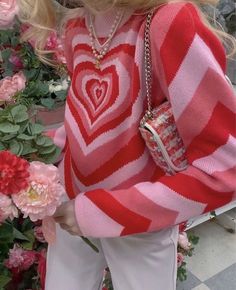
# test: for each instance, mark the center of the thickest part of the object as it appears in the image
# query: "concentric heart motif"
(93, 89)
(97, 90)
(97, 101)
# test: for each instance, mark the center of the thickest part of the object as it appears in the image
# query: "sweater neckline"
(103, 21)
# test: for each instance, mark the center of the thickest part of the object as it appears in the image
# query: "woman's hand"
(65, 217)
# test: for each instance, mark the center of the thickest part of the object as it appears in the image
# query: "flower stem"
(89, 243)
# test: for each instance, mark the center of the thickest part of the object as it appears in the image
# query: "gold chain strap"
(148, 68)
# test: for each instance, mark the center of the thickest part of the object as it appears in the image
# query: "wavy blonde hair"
(45, 16)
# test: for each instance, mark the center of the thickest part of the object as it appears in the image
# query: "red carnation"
(13, 173)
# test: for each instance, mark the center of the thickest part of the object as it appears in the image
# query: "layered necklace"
(103, 47)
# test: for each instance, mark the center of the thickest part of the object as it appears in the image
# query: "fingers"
(71, 230)
(69, 221)
(60, 210)
(65, 217)
(59, 219)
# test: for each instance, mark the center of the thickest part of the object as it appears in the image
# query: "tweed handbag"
(158, 127)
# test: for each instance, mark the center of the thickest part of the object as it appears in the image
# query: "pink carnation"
(7, 209)
(20, 258)
(38, 233)
(42, 267)
(180, 259)
(9, 86)
(44, 193)
(29, 259)
(183, 241)
(8, 11)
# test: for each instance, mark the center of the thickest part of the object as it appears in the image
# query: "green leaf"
(52, 158)
(25, 137)
(30, 74)
(4, 280)
(48, 103)
(6, 233)
(41, 140)
(8, 70)
(5, 53)
(16, 147)
(29, 245)
(47, 150)
(8, 137)
(27, 225)
(2, 147)
(28, 149)
(18, 235)
(35, 129)
(7, 127)
(14, 41)
(61, 95)
(23, 127)
(21, 117)
(17, 109)
(48, 142)
(43, 88)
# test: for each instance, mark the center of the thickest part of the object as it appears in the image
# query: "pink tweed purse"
(158, 127)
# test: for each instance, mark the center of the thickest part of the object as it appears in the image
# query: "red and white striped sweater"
(118, 188)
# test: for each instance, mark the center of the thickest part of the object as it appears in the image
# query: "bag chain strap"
(148, 69)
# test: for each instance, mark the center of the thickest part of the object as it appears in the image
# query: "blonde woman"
(117, 195)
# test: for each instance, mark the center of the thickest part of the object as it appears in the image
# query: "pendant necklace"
(100, 53)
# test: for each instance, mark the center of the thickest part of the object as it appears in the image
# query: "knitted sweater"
(117, 187)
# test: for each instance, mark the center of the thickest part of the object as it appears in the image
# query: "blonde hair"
(45, 16)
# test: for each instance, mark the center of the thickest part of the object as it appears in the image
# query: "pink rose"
(19, 80)
(180, 259)
(8, 11)
(9, 86)
(59, 52)
(183, 241)
(44, 193)
(53, 43)
(16, 61)
(7, 91)
(7, 209)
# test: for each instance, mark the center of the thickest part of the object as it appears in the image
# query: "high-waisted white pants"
(137, 262)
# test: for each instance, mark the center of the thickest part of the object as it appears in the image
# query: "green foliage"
(20, 134)
(4, 279)
(23, 137)
(37, 73)
(19, 231)
(182, 272)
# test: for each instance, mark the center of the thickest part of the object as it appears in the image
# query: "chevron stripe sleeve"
(191, 63)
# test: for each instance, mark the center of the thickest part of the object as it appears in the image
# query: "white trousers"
(137, 262)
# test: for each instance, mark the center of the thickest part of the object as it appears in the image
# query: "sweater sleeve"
(190, 61)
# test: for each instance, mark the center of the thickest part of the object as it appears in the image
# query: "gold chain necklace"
(99, 54)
